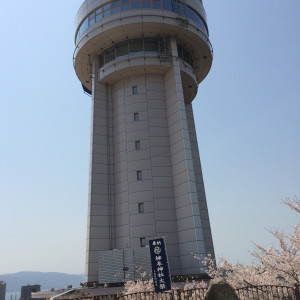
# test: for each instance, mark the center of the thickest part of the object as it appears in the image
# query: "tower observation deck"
(142, 61)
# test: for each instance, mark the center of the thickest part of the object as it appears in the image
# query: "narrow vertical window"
(143, 242)
(134, 90)
(136, 117)
(139, 175)
(137, 145)
(141, 208)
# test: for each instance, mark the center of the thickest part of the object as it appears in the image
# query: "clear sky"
(247, 116)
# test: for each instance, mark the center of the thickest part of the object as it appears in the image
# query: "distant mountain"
(47, 281)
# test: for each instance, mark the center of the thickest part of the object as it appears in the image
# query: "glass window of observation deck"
(91, 22)
(106, 6)
(99, 17)
(106, 10)
(110, 54)
(135, 4)
(84, 26)
(125, 5)
(136, 45)
(146, 4)
(150, 44)
(182, 8)
(187, 57)
(122, 49)
(167, 5)
(106, 13)
(99, 14)
(78, 35)
(91, 19)
(156, 4)
(115, 7)
(101, 61)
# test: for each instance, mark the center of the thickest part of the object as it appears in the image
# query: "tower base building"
(142, 62)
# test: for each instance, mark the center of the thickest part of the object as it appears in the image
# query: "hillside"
(47, 281)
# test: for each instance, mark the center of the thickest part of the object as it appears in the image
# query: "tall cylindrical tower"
(142, 60)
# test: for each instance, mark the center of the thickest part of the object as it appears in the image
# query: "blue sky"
(247, 115)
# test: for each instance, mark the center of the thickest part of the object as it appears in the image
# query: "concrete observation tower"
(142, 61)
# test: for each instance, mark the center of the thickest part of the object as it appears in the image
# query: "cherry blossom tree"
(284, 262)
(138, 286)
(274, 265)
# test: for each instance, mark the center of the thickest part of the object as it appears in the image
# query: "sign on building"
(160, 266)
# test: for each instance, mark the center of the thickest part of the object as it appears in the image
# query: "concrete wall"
(99, 231)
(155, 190)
